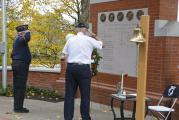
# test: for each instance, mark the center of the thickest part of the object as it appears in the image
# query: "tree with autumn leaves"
(46, 19)
(48, 27)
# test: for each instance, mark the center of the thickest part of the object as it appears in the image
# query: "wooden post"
(142, 69)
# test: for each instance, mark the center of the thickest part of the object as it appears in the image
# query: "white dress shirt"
(79, 48)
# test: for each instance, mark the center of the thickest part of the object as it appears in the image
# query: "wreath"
(96, 58)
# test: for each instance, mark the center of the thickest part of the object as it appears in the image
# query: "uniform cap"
(81, 25)
(21, 28)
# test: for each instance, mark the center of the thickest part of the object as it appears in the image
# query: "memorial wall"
(116, 28)
(119, 55)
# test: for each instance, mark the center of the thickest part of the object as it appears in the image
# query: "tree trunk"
(84, 11)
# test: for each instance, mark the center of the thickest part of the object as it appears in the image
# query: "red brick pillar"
(168, 9)
(63, 68)
(60, 83)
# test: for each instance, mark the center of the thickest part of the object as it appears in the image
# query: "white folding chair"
(172, 92)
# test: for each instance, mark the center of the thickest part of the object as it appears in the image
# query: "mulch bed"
(48, 99)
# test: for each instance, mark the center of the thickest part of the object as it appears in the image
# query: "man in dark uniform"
(21, 58)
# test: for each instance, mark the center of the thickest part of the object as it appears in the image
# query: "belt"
(77, 64)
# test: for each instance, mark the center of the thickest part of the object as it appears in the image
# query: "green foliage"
(48, 28)
(34, 93)
(48, 39)
(2, 92)
(96, 57)
(8, 92)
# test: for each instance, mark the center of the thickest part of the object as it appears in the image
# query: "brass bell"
(138, 35)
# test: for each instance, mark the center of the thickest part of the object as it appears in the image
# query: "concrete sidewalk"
(41, 110)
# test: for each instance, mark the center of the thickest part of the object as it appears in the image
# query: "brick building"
(163, 60)
(163, 50)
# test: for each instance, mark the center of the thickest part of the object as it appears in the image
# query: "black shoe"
(22, 110)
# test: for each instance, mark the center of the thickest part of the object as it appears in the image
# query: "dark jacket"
(21, 49)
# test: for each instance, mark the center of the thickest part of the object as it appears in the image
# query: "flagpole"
(3, 47)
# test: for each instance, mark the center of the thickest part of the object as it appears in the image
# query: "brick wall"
(168, 9)
(39, 79)
(163, 56)
(161, 69)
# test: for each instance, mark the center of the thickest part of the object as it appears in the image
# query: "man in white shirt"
(68, 36)
(78, 50)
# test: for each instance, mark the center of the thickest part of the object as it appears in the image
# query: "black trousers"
(20, 74)
(77, 75)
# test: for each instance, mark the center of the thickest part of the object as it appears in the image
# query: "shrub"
(35, 93)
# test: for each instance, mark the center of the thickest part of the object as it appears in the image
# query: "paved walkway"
(41, 110)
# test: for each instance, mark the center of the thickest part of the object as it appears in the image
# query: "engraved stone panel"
(119, 55)
(166, 28)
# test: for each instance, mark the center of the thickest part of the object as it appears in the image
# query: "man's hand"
(93, 35)
(21, 34)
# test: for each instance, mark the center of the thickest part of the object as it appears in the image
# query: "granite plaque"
(119, 55)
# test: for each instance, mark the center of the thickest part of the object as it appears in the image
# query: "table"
(122, 99)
